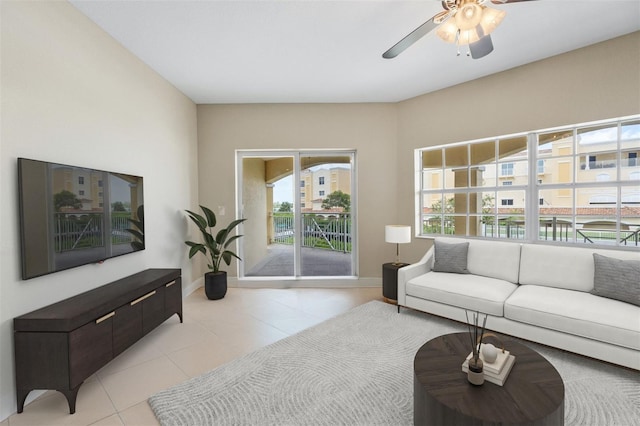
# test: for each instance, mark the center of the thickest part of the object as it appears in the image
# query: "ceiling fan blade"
(481, 48)
(414, 36)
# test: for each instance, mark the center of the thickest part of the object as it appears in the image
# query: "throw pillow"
(617, 279)
(451, 257)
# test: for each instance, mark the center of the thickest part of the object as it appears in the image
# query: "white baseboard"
(315, 282)
(324, 282)
(190, 288)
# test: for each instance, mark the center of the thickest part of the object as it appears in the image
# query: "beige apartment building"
(316, 185)
(85, 184)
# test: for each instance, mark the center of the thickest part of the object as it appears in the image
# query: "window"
(302, 184)
(81, 192)
(321, 193)
(506, 169)
(547, 185)
(80, 180)
(321, 180)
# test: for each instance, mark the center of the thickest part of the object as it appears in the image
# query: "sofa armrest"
(411, 271)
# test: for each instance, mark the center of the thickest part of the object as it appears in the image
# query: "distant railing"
(600, 164)
(331, 231)
(73, 231)
(549, 230)
(609, 164)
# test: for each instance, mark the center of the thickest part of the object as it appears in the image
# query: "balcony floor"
(315, 263)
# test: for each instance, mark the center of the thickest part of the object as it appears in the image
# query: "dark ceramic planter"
(215, 285)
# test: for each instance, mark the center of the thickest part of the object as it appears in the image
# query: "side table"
(390, 280)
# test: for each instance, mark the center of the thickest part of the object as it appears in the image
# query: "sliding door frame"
(296, 155)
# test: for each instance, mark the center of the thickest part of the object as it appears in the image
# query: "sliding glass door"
(300, 210)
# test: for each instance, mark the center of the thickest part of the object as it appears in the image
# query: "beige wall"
(368, 128)
(71, 94)
(594, 83)
(254, 195)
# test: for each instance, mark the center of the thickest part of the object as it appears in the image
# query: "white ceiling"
(331, 51)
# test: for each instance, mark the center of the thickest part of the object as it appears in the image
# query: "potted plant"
(215, 281)
(139, 232)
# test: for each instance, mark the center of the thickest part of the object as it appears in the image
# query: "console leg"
(22, 397)
(398, 308)
(71, 396)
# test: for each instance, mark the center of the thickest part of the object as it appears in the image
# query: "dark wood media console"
(61, 345)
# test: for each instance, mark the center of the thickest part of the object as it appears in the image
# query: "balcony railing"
(608, 164)
(551, 230)
(331, 231)
(75, 231)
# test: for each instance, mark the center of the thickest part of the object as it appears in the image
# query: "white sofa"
(537, 292)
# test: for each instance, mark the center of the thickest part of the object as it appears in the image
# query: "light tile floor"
(213, 332)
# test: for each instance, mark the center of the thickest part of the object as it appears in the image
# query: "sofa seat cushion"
(575, 312)
(471, 292)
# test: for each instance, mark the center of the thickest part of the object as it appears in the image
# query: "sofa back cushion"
(493, 259)
(563, 267)
(617, 279)
(450, 258)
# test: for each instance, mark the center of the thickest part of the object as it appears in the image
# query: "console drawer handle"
(170, 284)
(140, 299)
(106, 317)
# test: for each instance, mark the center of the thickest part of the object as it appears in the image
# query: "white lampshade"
(398, 234)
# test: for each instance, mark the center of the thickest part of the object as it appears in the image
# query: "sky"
(283, 190)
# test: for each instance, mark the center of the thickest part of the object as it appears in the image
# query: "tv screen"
(72, 216)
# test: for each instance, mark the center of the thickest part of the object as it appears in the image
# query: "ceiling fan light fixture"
(491, 18)
(448, 30)
(468, 16)
(470, 36)
(487, 20)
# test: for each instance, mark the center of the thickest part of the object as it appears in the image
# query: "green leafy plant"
(139, 232)
(213, 247)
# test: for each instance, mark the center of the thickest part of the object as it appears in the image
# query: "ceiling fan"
(461, 22)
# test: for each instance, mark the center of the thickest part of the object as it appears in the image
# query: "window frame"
(535, 188)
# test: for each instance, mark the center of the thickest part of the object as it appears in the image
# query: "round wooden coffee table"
(532, 395)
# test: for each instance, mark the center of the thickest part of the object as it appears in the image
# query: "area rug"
(357, 369)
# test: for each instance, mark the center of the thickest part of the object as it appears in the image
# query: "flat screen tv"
(72, 216)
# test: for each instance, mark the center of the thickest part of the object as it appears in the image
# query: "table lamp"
(398, 234)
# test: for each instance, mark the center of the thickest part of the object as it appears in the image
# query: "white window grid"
(534, 185)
